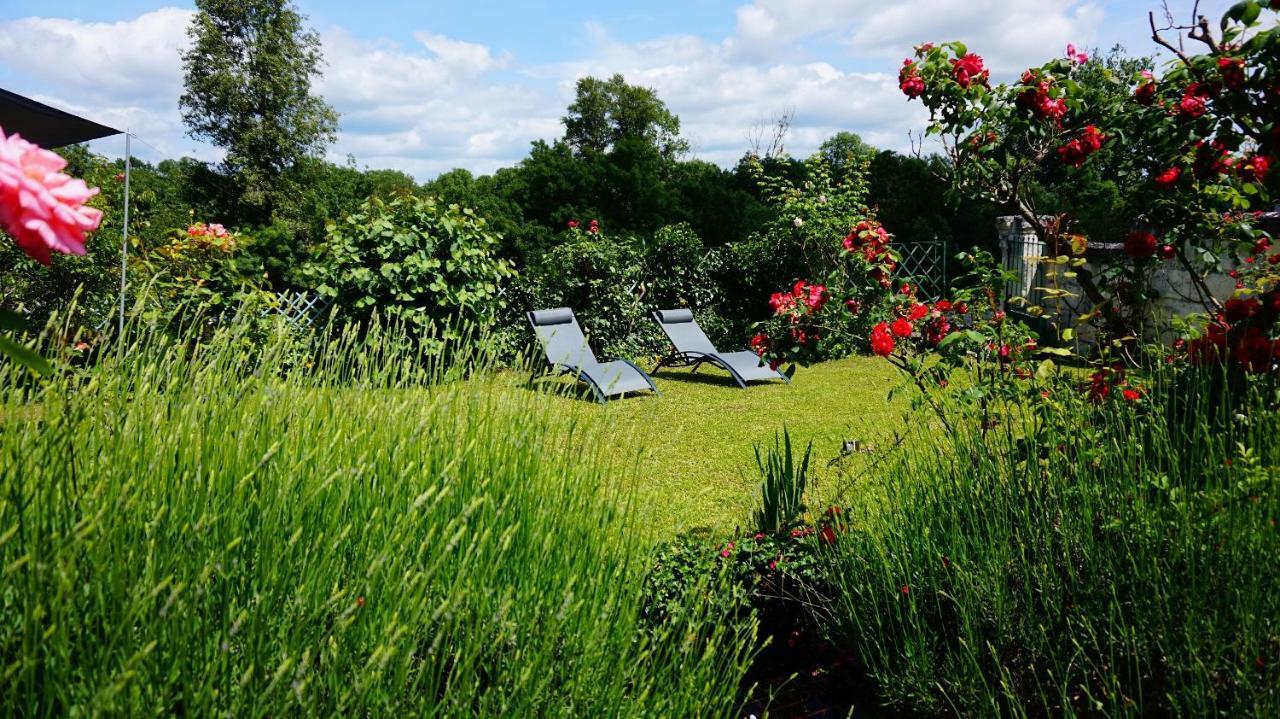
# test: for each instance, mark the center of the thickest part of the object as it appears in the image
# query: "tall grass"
(243, 530)
(1078, 562)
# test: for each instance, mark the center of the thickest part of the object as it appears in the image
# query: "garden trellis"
(50, 127)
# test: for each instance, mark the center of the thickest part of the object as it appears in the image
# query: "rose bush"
(1192, 149)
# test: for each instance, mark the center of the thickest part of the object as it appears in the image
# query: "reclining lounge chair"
(568, 353)
(693, 348)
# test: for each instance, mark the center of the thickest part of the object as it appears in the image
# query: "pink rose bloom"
(41, 207)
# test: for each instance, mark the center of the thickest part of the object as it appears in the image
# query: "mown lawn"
(693, 447)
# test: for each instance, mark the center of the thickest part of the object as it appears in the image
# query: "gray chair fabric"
(567, 352)
(693, 347)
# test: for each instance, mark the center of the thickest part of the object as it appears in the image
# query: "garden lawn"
(693, 447)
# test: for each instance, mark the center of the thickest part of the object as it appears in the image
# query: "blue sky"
(425, 87)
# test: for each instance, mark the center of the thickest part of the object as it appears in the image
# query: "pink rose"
(42, 208)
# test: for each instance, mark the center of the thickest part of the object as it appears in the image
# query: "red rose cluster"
(934, 323)
(1079, 149)
(1194, 100)
(1103, 381)
(1037, 100)
(803, 299)
(1244, 332)
(909, 80)
(870, 240)
(1145, 93)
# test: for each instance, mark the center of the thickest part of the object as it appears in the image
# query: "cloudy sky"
(428, 86)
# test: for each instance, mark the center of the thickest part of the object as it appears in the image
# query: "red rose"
(962, 308)
(1140, 245)
(909, 80)
(882, 340)
(853, 306)
(1072, 154)
(1192, 103)
(1075, 152)
(1238, 309)
(937, 329)
(573, 224)
(1167, 178)
(917, 311)
(968, 69)
(1232, 70)
(760, 343)
(1255, 352)
(942, 305)
(1145, 94)
(902, 327)
(1167, 252)
(593, 227)
(1255, 168)
(828, 535)
(1131, 395)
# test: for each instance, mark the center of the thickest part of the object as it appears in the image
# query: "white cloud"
(439, 102)
(136, 59)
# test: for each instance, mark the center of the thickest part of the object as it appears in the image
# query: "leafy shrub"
(613, 284)
(415, 261)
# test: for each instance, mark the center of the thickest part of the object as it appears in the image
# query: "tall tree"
(845, 151)
(249, 73)
(607, 111)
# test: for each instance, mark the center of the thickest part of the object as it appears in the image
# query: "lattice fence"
(925, 264)
(303, 308)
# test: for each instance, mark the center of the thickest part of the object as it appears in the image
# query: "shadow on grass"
(702, 377)
(567, 388)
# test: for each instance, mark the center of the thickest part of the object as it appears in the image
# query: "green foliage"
(847, 152)
(604, 113)
(248, 75)
(1087, 559)
(812, 213)
(413, 260)
(782, 485)
(184, 530)
(613, 284)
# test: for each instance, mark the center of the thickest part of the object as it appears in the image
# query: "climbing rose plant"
(816, 320)
(1193, 149)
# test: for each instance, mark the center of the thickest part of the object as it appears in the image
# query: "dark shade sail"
(46, 126)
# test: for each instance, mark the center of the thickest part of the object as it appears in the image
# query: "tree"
(606, 111)
(846, 150)
(249, 71)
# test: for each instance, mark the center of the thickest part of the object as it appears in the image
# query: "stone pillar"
(1020, 249)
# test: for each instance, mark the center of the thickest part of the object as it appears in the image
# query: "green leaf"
(12, 321)
(24, 356)
(1058, 351)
